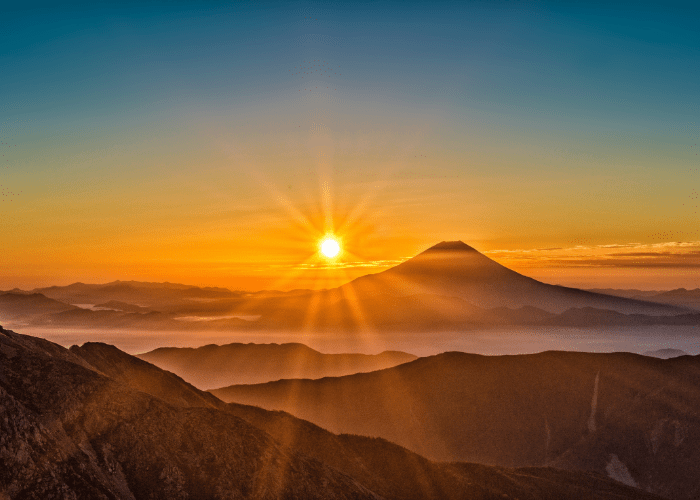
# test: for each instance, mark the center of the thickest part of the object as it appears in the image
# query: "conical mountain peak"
(453, 246)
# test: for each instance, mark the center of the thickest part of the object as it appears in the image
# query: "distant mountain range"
(631, 417)
(93, 422)
(214, 366)
(666, 353)
(679, 297)
(450, 286)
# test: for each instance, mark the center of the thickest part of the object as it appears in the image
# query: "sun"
(330, 247)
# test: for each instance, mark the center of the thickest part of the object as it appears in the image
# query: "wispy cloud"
(672, 254)
(350, 265)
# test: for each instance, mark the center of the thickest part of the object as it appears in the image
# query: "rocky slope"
(69, 432)
(630, 417)
(93, 422)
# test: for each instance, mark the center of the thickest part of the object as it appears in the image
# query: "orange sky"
(562, 143)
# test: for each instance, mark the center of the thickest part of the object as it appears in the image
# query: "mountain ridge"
(567, 409)
(207, 366)
(70, 431)
(457, 269)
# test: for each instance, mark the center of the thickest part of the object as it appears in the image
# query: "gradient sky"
(215, 145)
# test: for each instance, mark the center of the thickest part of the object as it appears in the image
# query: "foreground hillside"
(631, 417)
(70, 432)
(93, 422)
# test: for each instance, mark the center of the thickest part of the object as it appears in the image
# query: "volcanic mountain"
(449, 287)
(454, 269)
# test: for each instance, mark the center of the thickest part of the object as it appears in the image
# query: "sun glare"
(330, 247)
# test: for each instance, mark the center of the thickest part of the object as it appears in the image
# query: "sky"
(217, 143)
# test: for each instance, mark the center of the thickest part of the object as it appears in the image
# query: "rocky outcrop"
(70, 432)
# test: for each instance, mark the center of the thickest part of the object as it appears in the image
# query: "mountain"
(25, 306)
(116, 305)
(630, 293)
(666, 353)
(93, 422)
(144, 294)
(70, 432)
(214, 366)
(394, 472)
(417, 313)
(680, 297)
(631, 417)
(454, 269)
(449, 287)
(375, 463)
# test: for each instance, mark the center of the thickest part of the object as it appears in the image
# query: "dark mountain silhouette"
(123, 429)
(453, 268)
(325, 311)
(143, 376)
(36, 309)
(666, 353)
(213, 366)
(25, 306)
(680, 297)
(630, 293)
(631, 417)
(449, 287)
(139, 293)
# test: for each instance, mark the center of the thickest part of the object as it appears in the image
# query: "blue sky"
(516, 124)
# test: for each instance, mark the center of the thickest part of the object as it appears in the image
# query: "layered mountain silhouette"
(133, 292)
(93, 422)
(630, 417)
(450, 286)
(680, 296)
(214, 366)
(24, 306)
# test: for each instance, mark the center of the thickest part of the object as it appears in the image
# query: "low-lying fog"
(493, 342)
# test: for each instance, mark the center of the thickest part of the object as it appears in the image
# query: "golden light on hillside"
(330, 247)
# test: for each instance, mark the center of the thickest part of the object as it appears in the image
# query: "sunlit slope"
(572, 409)
(375, 464)
(68, 431)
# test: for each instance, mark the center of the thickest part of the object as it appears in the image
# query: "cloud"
(350, 265)
(672, 254)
